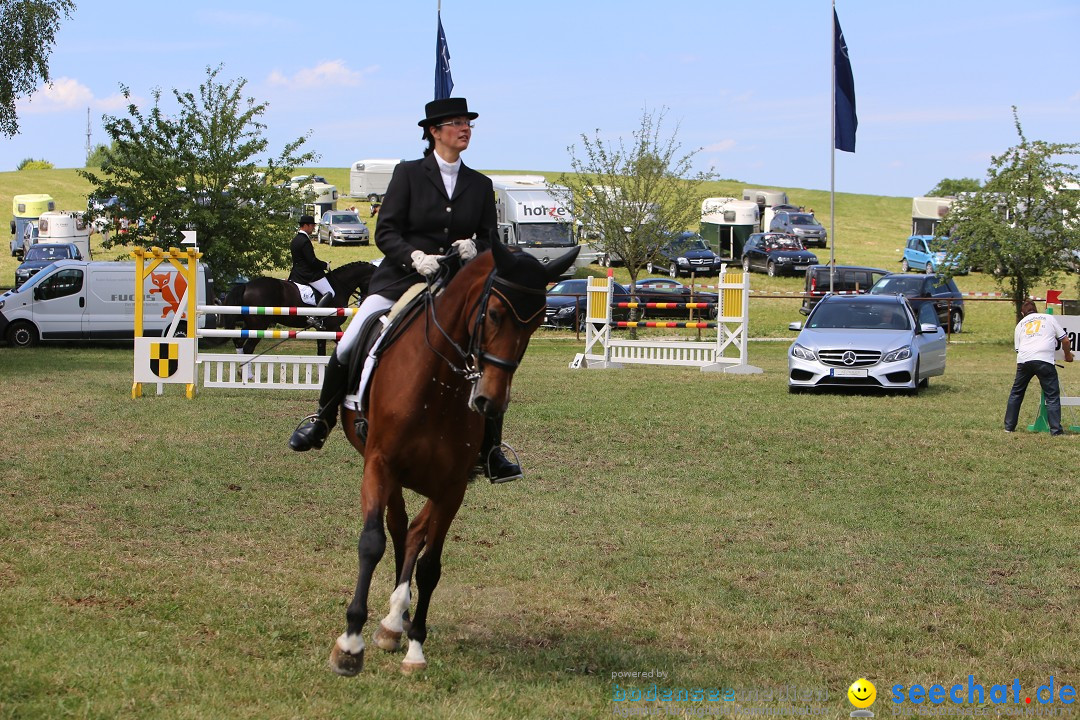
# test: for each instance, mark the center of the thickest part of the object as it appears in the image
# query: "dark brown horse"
(451, 366)
(347, 281)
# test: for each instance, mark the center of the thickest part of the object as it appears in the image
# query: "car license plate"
(801, 268)
(847, 372)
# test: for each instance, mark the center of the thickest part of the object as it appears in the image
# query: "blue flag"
(846, 122)
(444, 84)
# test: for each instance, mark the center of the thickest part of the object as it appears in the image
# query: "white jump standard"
(602, 350)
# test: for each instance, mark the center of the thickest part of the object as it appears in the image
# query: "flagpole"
(832, 158)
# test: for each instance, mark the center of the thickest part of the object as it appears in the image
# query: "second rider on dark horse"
(431, 206)
(307, 269)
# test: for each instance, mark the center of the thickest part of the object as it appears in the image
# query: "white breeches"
(322, 285)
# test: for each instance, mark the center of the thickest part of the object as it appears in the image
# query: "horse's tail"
(235, 296)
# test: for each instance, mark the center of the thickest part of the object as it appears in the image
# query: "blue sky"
(749, 82)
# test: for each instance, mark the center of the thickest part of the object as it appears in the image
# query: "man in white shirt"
(1036, 339)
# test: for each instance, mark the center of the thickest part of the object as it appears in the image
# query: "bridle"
(474, 356)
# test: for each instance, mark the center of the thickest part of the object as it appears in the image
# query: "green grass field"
(167, 558)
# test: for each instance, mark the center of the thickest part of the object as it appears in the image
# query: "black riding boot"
(313, 430)
(496, 467)
(327, 300)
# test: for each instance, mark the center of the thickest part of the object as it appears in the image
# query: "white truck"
(370, 178)
(534, 220)
(80, 300)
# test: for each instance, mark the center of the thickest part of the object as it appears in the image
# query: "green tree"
(629, 195)
(96, 158)
(32, 164)
(949, 187)
(203, 170)
(1024, 224)
(29, 34)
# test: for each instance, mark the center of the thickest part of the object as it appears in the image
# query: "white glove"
(426, 265)
(466, 249)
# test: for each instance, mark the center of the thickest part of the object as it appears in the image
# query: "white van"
(64, 227)
(370, 178)
(80, 300)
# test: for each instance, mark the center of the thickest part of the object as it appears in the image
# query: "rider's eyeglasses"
(457, 123)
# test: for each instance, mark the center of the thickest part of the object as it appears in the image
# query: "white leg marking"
(399, 603)
(353, 644)
(415, 656)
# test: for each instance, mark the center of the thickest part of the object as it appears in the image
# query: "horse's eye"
(493, 316)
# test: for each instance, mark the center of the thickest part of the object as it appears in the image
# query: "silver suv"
(800, 224)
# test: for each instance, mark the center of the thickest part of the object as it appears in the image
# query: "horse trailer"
(369, 178)
(726, 223)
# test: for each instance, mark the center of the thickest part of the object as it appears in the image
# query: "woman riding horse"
(431, 205)
(443, 378)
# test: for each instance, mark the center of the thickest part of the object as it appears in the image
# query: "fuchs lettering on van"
(79, 300)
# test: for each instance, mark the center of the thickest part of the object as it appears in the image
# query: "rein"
(474, 356)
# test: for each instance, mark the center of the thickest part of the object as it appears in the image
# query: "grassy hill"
(870, 229)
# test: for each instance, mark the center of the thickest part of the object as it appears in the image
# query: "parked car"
(341, 227)
(802, 225)
(866, 341)
(939, 292)
(684, 254)
(920, 254)
(846, 279)
(663, 290)
(776, 254)
(41, 256)
(298, 181)
(566, 304)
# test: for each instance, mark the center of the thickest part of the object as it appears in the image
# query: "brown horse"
(348, 280)
(451, 366)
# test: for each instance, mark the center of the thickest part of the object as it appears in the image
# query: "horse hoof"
(388, 640)
(410, 668)
(346, 663)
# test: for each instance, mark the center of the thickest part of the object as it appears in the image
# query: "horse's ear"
(503, 257)
(557, 267)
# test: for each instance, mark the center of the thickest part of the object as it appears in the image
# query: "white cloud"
(328, 73)
(66, 94)
(722, 146)
(63, 94)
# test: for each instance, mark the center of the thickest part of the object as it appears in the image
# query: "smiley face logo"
(862, 693)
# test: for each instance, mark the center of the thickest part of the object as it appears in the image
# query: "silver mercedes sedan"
(866, 341)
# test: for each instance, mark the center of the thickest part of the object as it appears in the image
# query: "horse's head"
(509, 311)
(350, 278)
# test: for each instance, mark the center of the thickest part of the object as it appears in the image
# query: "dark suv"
(921, 289)
(685, 254)
(846, 279)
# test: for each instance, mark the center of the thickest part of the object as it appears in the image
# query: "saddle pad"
(307, 295)
(369, 337)
(403, 302)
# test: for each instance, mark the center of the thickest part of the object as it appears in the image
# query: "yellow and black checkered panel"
(164, 359)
